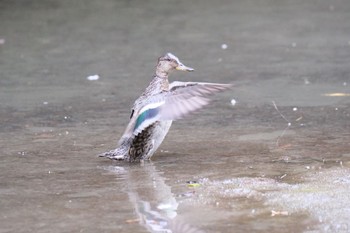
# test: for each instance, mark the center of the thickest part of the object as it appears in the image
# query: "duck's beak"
(184, 68)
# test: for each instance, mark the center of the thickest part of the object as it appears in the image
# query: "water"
(255, 167)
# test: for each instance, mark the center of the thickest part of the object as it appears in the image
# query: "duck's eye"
(167, 59)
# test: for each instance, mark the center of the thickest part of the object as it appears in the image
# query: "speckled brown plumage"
(141, 144)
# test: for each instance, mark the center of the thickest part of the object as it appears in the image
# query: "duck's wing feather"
(182, 99)
(187, 97)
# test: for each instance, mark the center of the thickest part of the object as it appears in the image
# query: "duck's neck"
(157, 85)
(161, 74)
(161, 78)
(161, 82)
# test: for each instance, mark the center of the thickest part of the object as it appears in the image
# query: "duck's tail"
(119, 153)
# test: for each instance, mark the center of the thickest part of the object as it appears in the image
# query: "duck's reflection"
(154, 203)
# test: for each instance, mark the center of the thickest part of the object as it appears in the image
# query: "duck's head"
(170, 62)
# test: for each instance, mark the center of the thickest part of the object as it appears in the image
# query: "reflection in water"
(153, 201)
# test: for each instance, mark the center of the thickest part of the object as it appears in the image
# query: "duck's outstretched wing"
(182, 99)
(186, 97)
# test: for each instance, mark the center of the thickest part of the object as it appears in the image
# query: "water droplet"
(233, 102)
(224, 46)
(93, 77)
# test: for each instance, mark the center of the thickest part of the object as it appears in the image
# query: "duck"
(158, 106)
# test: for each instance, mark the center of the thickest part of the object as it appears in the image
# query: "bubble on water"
(93, 77)
(294, 44)
(224, 46)
(233, 102)
(345, 83)
(306, 81)
(295, 109)
(45, 103)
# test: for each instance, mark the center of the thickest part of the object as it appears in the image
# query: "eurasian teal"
(159, 105)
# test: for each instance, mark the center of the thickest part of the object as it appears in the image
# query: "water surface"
(276, 161)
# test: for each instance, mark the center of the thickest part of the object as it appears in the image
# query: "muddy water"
(276, 161)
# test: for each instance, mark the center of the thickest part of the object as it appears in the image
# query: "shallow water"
(276, 161)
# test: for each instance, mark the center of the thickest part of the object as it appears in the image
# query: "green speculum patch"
(148, 114)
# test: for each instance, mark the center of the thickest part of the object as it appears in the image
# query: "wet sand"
(257, 167)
